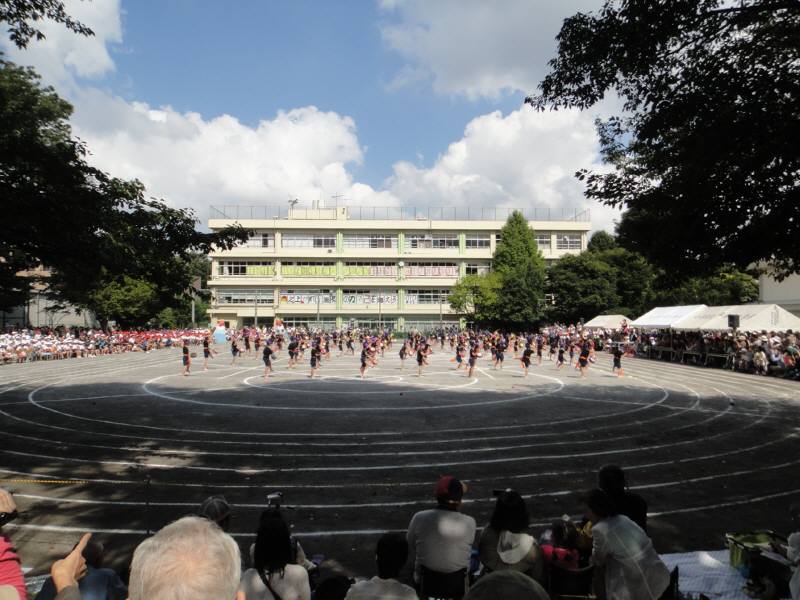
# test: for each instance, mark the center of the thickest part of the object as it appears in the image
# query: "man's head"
(391, 555)
(190, 559)
(449, 491)
(611, 479)
(217, 509)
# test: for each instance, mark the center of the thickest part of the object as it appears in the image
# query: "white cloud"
(474, 47)
(522, 159)
(65, 55)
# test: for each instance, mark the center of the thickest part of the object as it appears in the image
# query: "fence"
(399, 213)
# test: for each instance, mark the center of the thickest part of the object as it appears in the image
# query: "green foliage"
(600, 241)
(583, 286)
(19, 14)
(521, 268)
(129, 302)
(91, 228)
(478, 297)
(727, 286)
(704, 152)
(634, 281)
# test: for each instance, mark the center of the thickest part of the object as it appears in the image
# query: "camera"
(7, 517)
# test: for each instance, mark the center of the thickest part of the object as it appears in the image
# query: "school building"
(369, 267)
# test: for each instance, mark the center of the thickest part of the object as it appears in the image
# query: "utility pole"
(380, 313)
(255, 310)
(318, 324)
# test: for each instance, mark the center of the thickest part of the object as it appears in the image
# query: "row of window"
(564, 241)
(328, 296)
(243, 268)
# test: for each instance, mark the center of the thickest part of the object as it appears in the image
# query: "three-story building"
(364, 266)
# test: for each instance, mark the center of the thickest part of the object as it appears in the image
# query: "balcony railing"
(399, 213)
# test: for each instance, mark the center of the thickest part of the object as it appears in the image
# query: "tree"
(18, 15)
(478, 297)
(129, 302)
(601, 240)
(521, 269)
(727, 286)
(583, 286)
(90, 228)
(634, 278)
(704, 154)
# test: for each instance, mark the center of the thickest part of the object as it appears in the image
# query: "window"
(370, 240)
(568, 241)
(308, 269)
(261, 239)
(369, 268)
(426, 296)
(477, 268)
(306, 296)
(431, 269)
(435, 240)
(543, 241)
(237, 296)
(245, 268)
(308, 240)
(498, 237)
(477, 240)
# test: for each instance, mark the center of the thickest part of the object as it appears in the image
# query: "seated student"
(390, 555)
(611, 479)
(440, 540)
(561, 549)
(505, 543)
(622, 552)
(273, 574)
(98, 583)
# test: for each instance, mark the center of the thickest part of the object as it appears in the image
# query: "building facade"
(364, 266)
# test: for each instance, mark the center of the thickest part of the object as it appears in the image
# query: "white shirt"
(634, 571)
(380, 589)
(441, 540)
(292, 586)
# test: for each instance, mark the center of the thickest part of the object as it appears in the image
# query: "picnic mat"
(707, 572)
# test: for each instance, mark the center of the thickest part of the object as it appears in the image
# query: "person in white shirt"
(274, 577)
(633, 569)
(440, 542)
(390, 555)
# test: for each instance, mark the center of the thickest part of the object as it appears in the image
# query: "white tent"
(664, 317)
(697, 320)
(754, 317)
(606, 322)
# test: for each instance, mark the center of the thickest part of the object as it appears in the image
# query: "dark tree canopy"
(91, 228)
(601, 240)
(705, 154)
(583, 286)
(20, 16)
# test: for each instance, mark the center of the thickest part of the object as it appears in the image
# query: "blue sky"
(378, 102)
(266, 56)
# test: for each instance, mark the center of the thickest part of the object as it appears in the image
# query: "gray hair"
(190, 559)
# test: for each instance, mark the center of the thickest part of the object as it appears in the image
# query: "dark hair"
(93, 554)
(510, 513)
(391, 555)
(334, 587)
(273, 550)
(600, 503)
(564, 536)
(611, 479)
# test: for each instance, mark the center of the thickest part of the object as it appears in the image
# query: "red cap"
(449, 489)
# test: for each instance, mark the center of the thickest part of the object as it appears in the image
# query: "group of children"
(468, 346)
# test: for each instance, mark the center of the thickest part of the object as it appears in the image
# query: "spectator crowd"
(443, 555)
(28, 345)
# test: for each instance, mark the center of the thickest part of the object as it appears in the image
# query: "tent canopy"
(606, 321)
(697, 320)
(753, 317)
(664, 317)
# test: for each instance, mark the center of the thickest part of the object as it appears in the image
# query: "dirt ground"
(121, 445)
